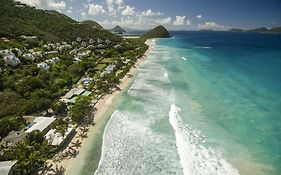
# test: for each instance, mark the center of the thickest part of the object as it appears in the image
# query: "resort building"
(28, 56)
(107, 70)
(43, 65)
(11, 60)
(71, 96)
(42, 124)
(8, 167)
(57, 139)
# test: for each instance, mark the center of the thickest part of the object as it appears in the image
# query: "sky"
(173, 14)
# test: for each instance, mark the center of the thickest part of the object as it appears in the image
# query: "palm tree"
(58, 171)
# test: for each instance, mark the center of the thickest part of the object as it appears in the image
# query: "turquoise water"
(203, 103)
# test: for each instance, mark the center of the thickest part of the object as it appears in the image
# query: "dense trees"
(80, 109)
(8, 124)
(11, 103)
(47, 25)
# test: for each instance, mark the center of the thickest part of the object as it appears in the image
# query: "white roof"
(41, 123)
(6, 166)
(72, 92)
(54, 138)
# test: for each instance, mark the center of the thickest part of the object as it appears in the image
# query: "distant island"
(157, 32)
(258, 30)
(118, 30)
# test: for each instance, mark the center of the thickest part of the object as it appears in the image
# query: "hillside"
(19, 19)
(258, 30)
(157, 32)
(93, 24)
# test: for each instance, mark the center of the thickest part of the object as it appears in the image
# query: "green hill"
(19, 19)
(157, 32)
(236, 30)
(92, 23)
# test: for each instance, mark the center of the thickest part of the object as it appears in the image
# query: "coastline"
(101, 117)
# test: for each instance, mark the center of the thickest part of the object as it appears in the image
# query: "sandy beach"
(79, 146)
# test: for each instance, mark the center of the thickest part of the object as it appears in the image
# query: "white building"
(100, 46)
(108, 70)
(43, 65)
(55, 138)
(11, 60)
(107, 41)
(73, 52)
(51, 52)
(42, 124)
(7, 167)
(53, 60)
(91, 41)
(99, 40)
(6, 52)
(78, 39)
(83, 44)
(38, 54)
(19, 52)
(83, 54)
(28, 56)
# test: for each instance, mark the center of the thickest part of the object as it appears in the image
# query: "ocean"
(202, 103)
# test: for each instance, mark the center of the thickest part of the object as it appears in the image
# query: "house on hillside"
(101, 46)
(83, 44)
(78, 39)
(51, 52)
(29, 56)
(91, 41)
(38, 54)
(6, 52)
(99, 40)
(53, 60)
(18, 51)
(11, 60)
(73, 52)
(43, 65)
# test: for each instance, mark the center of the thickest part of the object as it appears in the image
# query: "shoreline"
(100, 118)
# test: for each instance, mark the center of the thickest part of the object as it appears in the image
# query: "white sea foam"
(131, 147)
(194, 157)
(206, 47)
(166, 75)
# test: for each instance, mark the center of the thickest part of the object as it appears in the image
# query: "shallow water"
(202, 103)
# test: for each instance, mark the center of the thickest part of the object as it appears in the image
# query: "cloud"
(180, 20)
(199, 16)
(150, 13)
(114, 6)
(95, 9)
(213, 26)
(68, 11)
(188, 22)
(84, 15)
(163, 21)
(45, 4)
(128, 11)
